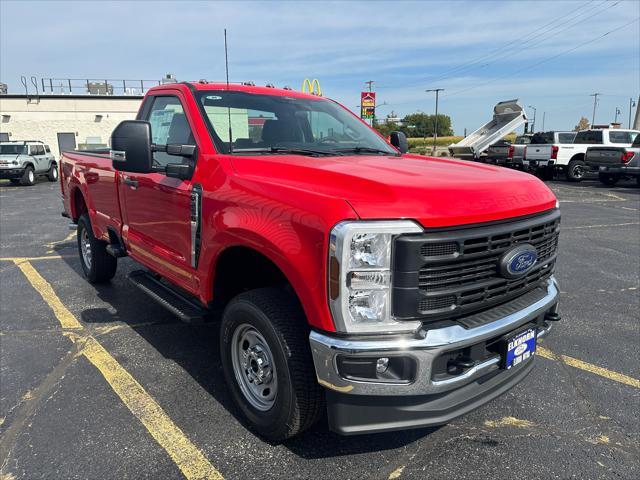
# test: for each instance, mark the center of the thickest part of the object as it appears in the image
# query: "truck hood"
(437, 192)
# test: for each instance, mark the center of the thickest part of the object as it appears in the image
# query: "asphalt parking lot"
(102, 383)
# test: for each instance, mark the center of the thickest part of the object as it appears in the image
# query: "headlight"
(360, 276)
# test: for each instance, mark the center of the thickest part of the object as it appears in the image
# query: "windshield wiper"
(295, 151)
(366, 150)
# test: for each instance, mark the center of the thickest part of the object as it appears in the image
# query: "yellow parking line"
(588, 367)
(30, 259)
(64, 316)
(189, 459)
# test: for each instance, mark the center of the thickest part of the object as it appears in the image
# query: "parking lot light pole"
(533, 123)
(631, 105)
(435, 129)
(544, 116)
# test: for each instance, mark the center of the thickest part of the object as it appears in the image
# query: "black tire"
(608, 178)
(278, 317)
(100, 266)
(576, 170)
(28, 177)
(547, 173)
(52, 174)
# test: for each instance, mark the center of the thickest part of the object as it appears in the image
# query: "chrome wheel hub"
(85, 248)
(253, 367)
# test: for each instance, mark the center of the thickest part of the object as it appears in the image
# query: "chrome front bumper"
(424, 348)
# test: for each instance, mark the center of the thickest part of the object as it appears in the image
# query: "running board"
(184, 308)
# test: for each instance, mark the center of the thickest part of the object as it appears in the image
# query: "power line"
(546, 59)
(518, 43)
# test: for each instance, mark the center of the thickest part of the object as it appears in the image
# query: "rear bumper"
(615, 169)
(357, 406)
(11, 173)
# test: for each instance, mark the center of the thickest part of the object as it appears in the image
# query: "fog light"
(382, 364)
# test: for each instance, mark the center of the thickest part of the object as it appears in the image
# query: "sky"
(551, 55)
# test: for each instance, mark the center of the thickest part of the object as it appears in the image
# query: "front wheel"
(52, 174)
(267, 363)
(28, 177)
(97, 264)
(576, 170)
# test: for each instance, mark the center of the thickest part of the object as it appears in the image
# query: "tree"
(423, 125)
(583, 124)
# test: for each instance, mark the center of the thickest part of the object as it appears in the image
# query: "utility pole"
(618, 112)
(435, 130)
(544, 115)
(631, 105)
(595, 103)
(533, 123)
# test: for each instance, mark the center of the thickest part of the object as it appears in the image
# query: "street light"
(533, 123)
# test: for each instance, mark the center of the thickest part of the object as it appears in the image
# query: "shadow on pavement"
(195, 350)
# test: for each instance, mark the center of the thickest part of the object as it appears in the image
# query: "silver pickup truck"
(22, 161)
(615, 163)
(509, 154)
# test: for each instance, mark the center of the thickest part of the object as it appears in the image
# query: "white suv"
(22, 161)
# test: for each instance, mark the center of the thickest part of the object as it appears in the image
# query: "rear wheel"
(52, 174)
(267, 363)
(547, 173)
(576, 170)
(97, 264)
(28, 177)
(608, 178)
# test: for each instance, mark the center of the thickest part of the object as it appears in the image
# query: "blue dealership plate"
(519, 347)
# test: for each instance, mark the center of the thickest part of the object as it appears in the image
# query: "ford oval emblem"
(518, 260)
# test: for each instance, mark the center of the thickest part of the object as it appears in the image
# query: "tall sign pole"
(435, 130)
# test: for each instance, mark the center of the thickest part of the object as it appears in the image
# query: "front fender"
(288, 226)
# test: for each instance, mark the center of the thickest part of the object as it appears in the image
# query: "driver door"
(156, 207)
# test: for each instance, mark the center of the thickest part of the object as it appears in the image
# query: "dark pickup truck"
(615, 163)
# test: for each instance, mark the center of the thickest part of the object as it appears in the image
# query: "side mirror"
(399, 140)
(131, 147)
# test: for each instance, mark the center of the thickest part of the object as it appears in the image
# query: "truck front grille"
(447, 274)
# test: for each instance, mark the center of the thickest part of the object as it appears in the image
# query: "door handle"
(132, 182)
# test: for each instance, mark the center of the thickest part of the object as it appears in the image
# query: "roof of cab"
(237, 87)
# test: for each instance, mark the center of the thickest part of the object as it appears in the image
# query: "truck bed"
(507, 117)
(91, 172)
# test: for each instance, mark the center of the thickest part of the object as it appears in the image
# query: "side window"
(169, 125)
(47, 149)
(619, 137)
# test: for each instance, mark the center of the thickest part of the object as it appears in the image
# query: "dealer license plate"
(518, 348)
(603, 168)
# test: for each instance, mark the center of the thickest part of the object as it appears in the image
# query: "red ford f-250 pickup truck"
(395, 290)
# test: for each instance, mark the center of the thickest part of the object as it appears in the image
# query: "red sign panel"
(367, 105)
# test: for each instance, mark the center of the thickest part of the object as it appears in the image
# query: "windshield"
(13, 149)
(270, 124)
